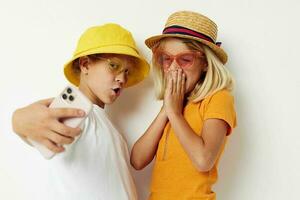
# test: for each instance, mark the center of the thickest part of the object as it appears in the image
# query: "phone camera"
(69, 90)
(64, 96)
(71, 98)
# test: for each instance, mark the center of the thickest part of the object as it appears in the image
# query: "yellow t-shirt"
(174, 176)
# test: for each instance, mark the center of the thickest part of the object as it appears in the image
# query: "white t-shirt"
(95, 166)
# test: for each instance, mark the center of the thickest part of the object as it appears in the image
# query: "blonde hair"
(216, 78)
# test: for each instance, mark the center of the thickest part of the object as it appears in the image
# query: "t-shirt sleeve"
(221, 106)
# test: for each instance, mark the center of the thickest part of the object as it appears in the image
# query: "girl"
(96, 165)
(189, 133)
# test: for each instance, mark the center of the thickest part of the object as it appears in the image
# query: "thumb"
(46, 102)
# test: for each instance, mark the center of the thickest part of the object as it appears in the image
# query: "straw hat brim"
(220, 53)
(140, 72)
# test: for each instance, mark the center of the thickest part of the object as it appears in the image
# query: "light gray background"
(261, 160)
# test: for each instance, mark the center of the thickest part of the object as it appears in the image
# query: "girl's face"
(174, 54)
(103, 80)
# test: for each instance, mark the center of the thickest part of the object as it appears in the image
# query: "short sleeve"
(221, 106)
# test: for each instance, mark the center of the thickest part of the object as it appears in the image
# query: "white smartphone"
(70, 97)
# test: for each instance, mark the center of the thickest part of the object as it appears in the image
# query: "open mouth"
(117, 91)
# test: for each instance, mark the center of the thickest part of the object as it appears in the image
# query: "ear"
(204, 65)
(84, 64)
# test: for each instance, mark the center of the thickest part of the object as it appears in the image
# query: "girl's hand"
(174, 93)
(41, 123)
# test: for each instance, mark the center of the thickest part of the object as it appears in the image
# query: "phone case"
(70, 97)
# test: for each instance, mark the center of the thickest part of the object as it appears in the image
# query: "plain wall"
(261, 159)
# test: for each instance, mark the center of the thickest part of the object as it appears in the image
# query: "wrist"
(174, 115)
(163, 113)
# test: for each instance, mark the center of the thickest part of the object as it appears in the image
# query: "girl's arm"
(145, 148)
(202, 150)
(41, 123)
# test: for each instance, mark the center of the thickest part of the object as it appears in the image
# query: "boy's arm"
(145, 148)
(40, 123)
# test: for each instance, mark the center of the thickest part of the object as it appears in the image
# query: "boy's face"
(104, 79)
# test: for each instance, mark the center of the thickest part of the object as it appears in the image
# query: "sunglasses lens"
(185, 60)
(166, 60)
(163, 59)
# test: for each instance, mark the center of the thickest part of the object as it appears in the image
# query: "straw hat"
(191, 25)
(108, 38)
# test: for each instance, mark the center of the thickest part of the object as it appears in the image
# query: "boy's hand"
(40, 123)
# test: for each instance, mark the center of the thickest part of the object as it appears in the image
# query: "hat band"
(185, 31)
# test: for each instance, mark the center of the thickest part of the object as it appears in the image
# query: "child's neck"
(84, 88)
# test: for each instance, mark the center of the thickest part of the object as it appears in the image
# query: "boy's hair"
(95, 58)
(217, 76)
(76, 63)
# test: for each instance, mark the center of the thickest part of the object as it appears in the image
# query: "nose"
(121, 78)
(174, 65)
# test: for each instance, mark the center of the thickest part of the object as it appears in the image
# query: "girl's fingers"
(170, 83)
(182, 86)
(179, 80)
(174, 81)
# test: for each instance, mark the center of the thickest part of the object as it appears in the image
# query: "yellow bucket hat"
(108, 38)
